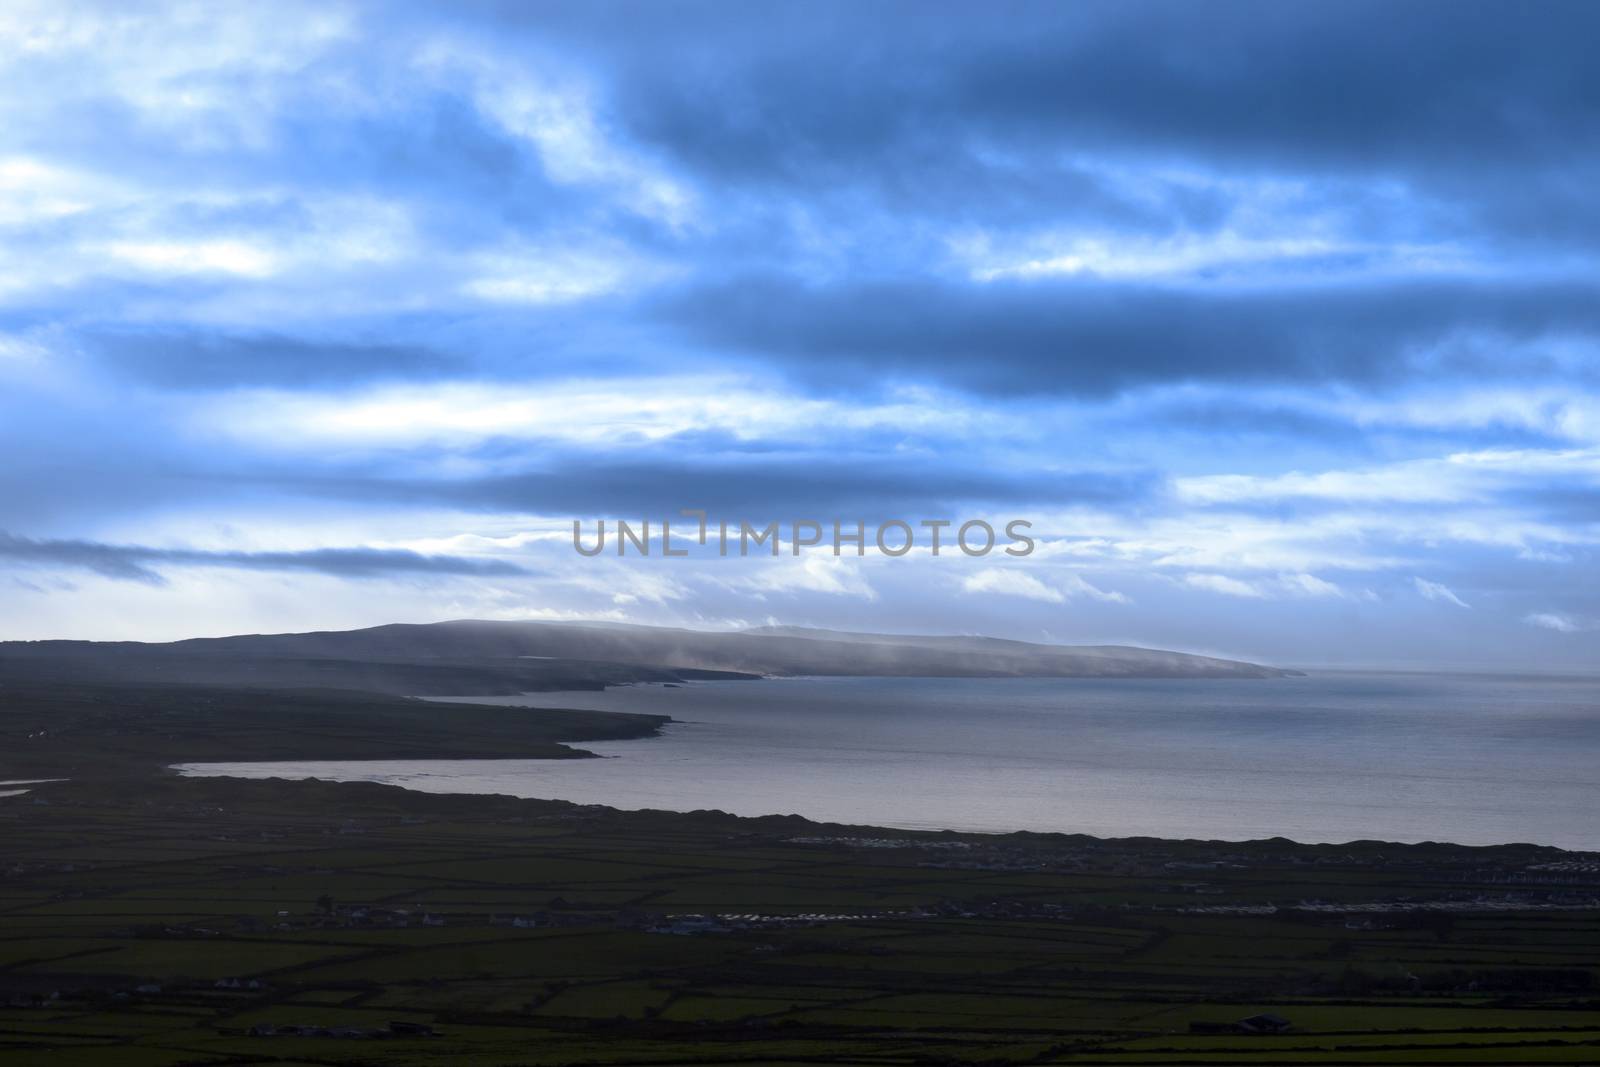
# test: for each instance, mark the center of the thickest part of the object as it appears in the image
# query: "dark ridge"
(484, 658)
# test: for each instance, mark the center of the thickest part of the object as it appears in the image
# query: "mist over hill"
(470, 657)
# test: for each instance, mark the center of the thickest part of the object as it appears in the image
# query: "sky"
(1278, 322)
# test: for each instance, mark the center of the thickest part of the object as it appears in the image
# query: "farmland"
(168, 921)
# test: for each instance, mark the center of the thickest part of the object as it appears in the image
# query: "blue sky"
(1278, 321)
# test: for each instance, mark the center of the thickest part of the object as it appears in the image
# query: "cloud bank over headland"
(1281, 324)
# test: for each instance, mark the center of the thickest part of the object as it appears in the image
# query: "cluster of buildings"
(393, 1030)
(723, 924)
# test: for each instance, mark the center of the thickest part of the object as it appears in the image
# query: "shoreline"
(181, 731)
(1433, 799)
(225, 774)
(870, 835)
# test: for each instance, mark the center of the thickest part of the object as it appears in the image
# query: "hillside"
(478, 657)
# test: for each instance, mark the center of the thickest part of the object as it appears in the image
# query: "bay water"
(1333, 756)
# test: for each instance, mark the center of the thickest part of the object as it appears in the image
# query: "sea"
(1329, 757)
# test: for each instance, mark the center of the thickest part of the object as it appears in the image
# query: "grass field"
(159, 921)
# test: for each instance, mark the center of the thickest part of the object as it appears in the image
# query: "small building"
(1265, 1023)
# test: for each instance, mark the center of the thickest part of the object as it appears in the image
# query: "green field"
(134, 918)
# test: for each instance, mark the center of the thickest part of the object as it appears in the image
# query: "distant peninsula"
(487, 658)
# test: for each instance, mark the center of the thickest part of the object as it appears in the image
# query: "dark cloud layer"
(1095, 337)
(1458, 96)
(763, 487)
(142, 563)
(197, 359)
(1225, 288)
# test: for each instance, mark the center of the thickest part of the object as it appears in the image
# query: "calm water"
(1332, 757)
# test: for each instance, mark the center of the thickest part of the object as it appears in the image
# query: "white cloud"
(639, 585)
(1548, 620)
(558, 116)
(1011, 582)
(1460, 477)
(1309, 585)
(1224, 251)
(616, 411)
(1415, 481)
(1541, 409)
(1271, 227)
(1294, 585)
(539, 276)
(1525, 462)
(1221, 583)
(1075, 585)
(1438, 592)
(21, 351)
(810, 573)
(207, 75)
(148, 232)
(33, 191)
(196, 257)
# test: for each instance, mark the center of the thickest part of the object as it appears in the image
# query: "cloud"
(1046, 86)
(195, 257)
(1094, 337)
(1087, 76)
(141, 564)
(1221, 583)
(759, 487)
(1284, 586)
(1225, 254)
(623, 411)
(1076, 585)
(204, 359)
(321, 274)
(1550, 620)
(1011, 583)
(560, 120)
(811, 573)
(1310, 585)
(1436, 591)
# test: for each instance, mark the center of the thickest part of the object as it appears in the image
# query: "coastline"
(1157, 758)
